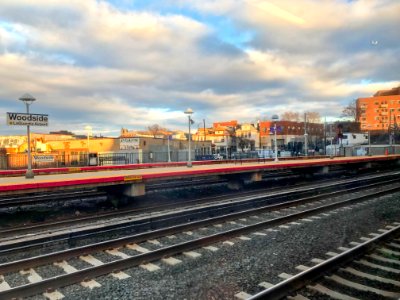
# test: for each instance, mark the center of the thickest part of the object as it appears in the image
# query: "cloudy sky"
(119, 63)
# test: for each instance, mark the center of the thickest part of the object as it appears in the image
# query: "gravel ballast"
(247, 263)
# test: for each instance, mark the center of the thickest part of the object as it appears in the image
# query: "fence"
(78, 159)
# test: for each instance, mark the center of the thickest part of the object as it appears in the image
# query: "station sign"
(278, 129)
(43, 158)
(21, 119)
(129, 143)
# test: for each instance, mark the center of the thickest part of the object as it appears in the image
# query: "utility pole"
(205, 136)
(305, 135)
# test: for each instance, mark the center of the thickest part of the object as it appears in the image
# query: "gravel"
(244, 265)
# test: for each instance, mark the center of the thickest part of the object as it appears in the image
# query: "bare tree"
(290, 116)
(155, 129)
(243, 143)
(313, 117)
(351, 110)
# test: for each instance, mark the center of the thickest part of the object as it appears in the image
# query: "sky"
(119, 63)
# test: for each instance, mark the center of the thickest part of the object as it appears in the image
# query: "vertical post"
(325, 137)
(189, 163)
(204, 132)
(29, 172)
(305, 135)
(276, 144)
(169, 151)
(28, 100)
(189, 111)
(369, 142)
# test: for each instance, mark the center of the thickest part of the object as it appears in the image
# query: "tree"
(313, 117)
(351, 110)
(290, 116)
(243, 143)
(155, 129)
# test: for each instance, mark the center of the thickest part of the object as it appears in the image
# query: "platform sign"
(278, 129)
(43, 158)
(129, 143)
(21, 119)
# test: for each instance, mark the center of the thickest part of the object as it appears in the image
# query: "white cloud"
(89, 61)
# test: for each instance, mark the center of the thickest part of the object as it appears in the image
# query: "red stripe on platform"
(188, 172)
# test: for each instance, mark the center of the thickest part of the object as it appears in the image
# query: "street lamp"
(28, 100)
(305, 135)
(88, 129)
(369, 140)
(189, 112)
(275, 118)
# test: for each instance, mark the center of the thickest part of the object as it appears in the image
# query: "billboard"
(20, 119)
(129, 143)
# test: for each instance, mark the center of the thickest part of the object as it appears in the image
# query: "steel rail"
(35, 199)
(21, 229)
(92, 272)
(154, 222)
(298, 281)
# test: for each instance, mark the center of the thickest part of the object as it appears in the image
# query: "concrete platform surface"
(111, 177)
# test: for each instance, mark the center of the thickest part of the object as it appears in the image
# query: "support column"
(134, 189)
(235, 184)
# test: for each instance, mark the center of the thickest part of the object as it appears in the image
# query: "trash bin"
(93, 160)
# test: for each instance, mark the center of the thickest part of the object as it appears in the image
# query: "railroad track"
(244, 204)
(192, 236)
(29, 228)
(7, 202)
(359, 272)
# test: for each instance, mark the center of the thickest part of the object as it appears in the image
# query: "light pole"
(275, 118)
(189, 112)
(88, 129)
(169, 152)
(28, 100)
(369, 140)
(305, 135)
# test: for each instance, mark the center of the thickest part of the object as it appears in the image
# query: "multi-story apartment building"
(289, 131)
(381, 112)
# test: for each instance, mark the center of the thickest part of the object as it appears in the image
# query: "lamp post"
(189, 112)
(369, 140)
(88, 129)
(305, 135)
(275, 118)
(169, 151)
(28, 100)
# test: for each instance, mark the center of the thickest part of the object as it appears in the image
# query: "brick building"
(381, 112)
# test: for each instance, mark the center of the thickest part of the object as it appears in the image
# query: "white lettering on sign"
(19, 119)
(129, 143)
(44, 158)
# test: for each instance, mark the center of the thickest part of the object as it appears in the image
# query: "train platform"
(135, 179)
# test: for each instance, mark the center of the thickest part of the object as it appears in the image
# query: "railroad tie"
(265, 284)
(297, 297)
(325, 291)
(372, 265)
(384, 259)
(91, 260)
(242, 296)
(3, 284)
(32, 275)
(369, 276)
(171, 261)
(361, 287)
(55, 295)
